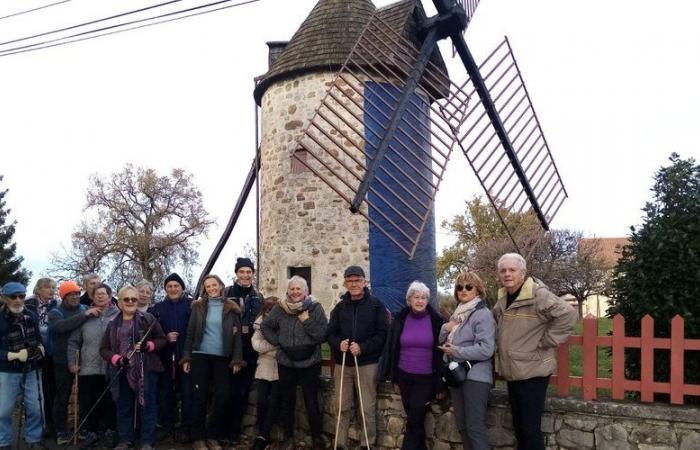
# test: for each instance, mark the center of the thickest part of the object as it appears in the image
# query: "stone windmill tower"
(305, 228)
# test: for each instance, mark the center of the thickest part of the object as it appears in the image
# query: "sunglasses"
(129, 300)
(17, 296)
(468, 287)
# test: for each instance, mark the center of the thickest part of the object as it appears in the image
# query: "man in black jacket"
(358, 324)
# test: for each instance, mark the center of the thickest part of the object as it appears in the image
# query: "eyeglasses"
(468, 287)
(17, 296)
(129, 299)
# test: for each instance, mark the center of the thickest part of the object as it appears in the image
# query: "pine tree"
(10, 264)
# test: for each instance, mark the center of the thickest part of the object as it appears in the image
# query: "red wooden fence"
(618, 384)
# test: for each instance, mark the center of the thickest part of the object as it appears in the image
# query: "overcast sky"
(614, 83)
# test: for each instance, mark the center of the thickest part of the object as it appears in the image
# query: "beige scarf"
(461, 314)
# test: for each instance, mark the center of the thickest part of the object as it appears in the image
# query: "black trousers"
(64, 386)
(416, 394)
(206, 371)
(526, 399)
(308, 378)
(48, 387)
(268, 393)
(89, 389)
(240, 388)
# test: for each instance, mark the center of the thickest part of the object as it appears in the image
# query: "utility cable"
(50, 43)
(33, 9)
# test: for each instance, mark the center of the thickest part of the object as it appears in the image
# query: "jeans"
(168, 391)
(64, 386)
(470, 402)
(90, 387)
(149, 411)
(416, 394)
(268, 393)
(526, 399)
(368, 381)
(206, 371)
(308, 378)
(12, 385)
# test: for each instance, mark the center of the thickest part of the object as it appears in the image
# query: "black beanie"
(244, 262)
(176, 278)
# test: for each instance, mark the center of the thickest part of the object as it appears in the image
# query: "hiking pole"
(340, 402)
(75, 401)
(362, 407)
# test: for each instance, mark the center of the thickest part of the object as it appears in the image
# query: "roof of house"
(326, 37)
(610, 248)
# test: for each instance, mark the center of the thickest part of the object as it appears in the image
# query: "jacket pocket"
(526, 365)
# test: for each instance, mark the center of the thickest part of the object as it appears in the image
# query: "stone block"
(577, 439)
(446, 428)
(395, 425)
(690, 441)
(612, 437)
(500, 437)
(386, 440)
(441, 445)
(653, 435)
(581, 423)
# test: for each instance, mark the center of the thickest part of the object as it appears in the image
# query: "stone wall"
(568, 424)
(303, 222)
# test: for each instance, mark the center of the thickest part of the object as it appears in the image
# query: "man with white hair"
(532, 322)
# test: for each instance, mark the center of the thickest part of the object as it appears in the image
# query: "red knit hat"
(67, 287)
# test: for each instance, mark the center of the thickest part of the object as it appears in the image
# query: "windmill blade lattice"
(343, 135)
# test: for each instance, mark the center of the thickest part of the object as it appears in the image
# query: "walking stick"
(362, 407)
(75, 401)
(340, 403)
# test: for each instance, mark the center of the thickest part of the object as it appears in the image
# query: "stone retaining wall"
(568, 424)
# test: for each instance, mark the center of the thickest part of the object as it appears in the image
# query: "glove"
(35, 353)
(21, 355)
(150, 346)
(119, 361)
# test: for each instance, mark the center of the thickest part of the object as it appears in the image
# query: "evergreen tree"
(10, 264)
(659, 271)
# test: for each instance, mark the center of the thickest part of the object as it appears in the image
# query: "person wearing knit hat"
(243, 292)
(173, 314)
(62, 320)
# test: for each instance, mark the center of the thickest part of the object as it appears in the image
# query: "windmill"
(360, 118)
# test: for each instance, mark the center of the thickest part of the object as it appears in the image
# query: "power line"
(92, 22)
(50, 43)
(33, 9)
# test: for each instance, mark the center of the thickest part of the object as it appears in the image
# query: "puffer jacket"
(299, 342)
(231, 325)
(267, 355)
(530, 330)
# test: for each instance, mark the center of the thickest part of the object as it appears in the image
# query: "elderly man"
(358, 324)
(532, 322)
(20, 377)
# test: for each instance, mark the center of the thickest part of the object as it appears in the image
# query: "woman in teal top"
(213, 351)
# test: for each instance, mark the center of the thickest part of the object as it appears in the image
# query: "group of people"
(185, 366)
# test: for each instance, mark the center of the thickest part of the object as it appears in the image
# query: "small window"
(304, 272)
(299, 155)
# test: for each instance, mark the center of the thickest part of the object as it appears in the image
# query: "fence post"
(563, 370)
(618, 357)
(647, 359)
(677, 359)
(590, 357)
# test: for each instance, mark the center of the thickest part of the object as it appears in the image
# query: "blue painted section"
(391, 271)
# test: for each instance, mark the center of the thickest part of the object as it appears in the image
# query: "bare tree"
(144, 226)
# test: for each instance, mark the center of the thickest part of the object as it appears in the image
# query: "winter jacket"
(32, 304)
(363, 321)
(299, 342)
(173, 316)
(62, 322)
(475, 341)
(250, 305)
(7, 329)
(87, 340)
(388, 368)
(142, 323)
(530, 330)
(231, 325)
(267, 355)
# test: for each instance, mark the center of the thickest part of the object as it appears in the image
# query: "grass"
(604, 358)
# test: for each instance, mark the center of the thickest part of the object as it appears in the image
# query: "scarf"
(296, 308)
(461, 314)
(123, 343)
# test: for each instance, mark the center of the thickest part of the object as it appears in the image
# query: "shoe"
(110, 438)
(90, 439)
(63, 438)
(123, 446)
(213, 444)
(261, 443)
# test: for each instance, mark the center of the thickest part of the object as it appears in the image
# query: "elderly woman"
(411, 361)
(91, 368)
(129, 345)
(266, 378)
(469, 339)
(297, 325)
(213, 350)
(145, 289)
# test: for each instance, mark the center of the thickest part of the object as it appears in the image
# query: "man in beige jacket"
(531, 323)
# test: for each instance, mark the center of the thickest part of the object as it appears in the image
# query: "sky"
(614, 84)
